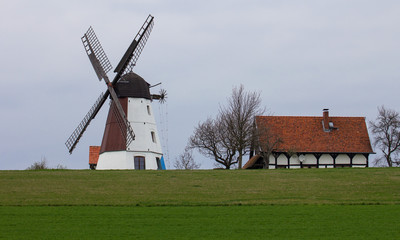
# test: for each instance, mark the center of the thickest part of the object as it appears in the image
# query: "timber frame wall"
(334, 164)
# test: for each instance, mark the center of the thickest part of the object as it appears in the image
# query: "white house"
(312, 142)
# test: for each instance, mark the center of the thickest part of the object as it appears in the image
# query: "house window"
(140, 163)
(148, 110)
(153, 137)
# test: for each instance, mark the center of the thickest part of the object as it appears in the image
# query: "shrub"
(39, 165)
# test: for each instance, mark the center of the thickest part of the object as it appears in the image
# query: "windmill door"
(140, 163)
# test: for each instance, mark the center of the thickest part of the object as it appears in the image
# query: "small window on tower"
(153, 137)
(148, 109)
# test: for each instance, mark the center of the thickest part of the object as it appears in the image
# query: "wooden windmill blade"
(101, 65)
(132, 54)
(77, 134)
(96, 54)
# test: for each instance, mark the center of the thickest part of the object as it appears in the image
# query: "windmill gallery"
(130, 139)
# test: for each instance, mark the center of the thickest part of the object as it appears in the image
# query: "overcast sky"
(302, 56)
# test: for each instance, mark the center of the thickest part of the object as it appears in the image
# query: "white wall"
(271, 159)
(113, 160)
(294, 160)
(282, 160)
(325, 161)
(143, 124)
(359, 159)
(125, 160)
(342, 159)
(310, 159)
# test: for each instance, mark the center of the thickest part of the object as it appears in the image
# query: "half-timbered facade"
(311, 142)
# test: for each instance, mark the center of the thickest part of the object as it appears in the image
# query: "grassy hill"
(199, 188)
(204, 204)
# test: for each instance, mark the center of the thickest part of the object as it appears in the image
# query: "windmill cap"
(132, 85)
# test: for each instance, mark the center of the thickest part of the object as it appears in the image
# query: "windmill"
(130, 139)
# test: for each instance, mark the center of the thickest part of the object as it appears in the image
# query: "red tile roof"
(306, 134)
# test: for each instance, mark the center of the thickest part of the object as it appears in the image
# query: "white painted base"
(125, 160)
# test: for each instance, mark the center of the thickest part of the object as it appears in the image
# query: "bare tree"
(238, 116)
(212, 140)
(186, 161)
(266, 142)
(386, 129)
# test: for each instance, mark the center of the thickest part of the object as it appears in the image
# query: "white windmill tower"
(130, 139)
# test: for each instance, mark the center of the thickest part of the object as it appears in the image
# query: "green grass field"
(205, 204)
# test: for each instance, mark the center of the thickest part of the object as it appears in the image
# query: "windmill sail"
(96, 54)
(102, 65)
(131, 56)
(77, 134)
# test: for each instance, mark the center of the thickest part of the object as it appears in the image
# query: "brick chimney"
(326, 119)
